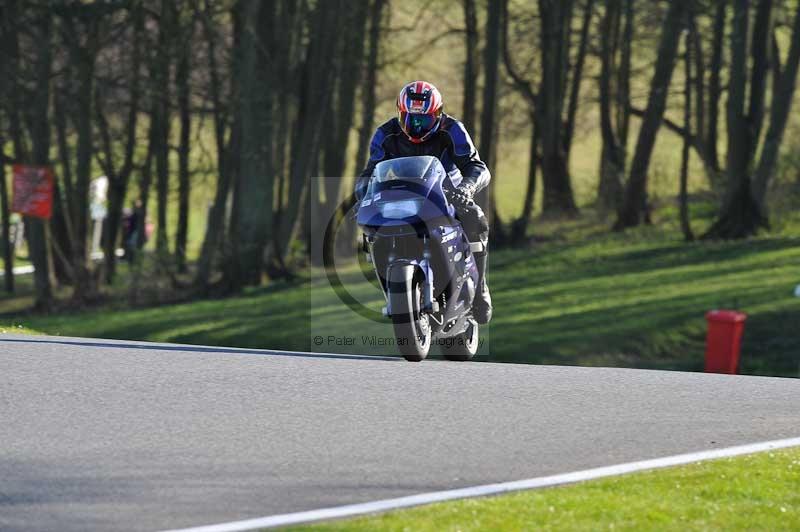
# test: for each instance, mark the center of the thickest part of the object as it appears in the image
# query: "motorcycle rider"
(422, 128)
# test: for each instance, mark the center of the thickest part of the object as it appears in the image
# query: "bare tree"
(633, 208)
(341, 112)
(114, 141)
(555, 43)
(84, 27)
(743, 211)
(703, 140)
(614, 81)
(220, 112)
(524, 87)
(315, 81)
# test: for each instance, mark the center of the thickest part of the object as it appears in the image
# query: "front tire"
(411, 327)
(462, 347)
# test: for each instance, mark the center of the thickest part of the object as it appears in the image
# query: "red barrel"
(724, 339)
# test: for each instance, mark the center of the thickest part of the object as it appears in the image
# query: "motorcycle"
(422, 257)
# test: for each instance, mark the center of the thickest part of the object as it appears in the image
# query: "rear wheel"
(411, 327)
(461, 347)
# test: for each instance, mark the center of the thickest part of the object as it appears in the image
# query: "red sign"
(33, 190)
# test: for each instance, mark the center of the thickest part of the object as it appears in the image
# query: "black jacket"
(450, 143)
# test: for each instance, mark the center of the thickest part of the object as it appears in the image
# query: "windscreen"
(408, 168)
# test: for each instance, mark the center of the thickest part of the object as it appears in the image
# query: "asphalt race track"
(112, 435)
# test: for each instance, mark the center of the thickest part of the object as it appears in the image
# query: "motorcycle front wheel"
(412, 328)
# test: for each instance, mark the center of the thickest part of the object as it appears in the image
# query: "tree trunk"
(182, 86)
(161, 118)
(623, 98)
(344, 110)
(577, 77)
(683, 195)
(83, 57)
(13, 102)
(8, 251)
(289, 28)
(7, 75)
(216, 216)
(634, 204)
(63, 209)
(715, 90)
(519, 228)
(113, 222)
(470, 63)
(760, 57)
(780, 111)
(488, 131)
(119, 179)
(370, 81)
(35, 228)
(145, 183)
(252, 213)
(742, 214)
(314, 99)
(369, 74)
(612, 159)
(698, 138)
(60, 241)
(555, 37)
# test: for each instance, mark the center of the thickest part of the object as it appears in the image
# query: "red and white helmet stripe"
(419, 98)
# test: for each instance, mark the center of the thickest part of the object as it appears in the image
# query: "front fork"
(429, 303)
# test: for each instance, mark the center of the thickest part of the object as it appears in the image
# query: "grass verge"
(754, 492)
(11, 328)
(580, 296)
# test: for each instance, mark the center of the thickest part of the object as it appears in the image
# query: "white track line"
(488, 489)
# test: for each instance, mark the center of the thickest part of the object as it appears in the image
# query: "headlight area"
(396, 210)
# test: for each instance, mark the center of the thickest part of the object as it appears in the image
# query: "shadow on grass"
(665, 333)
(771, 343)
(565, 265)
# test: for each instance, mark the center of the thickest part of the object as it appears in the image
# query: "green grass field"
(16, 329)
(754, 492)
(582, 297)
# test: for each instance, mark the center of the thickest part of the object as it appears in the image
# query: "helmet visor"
(417, 125)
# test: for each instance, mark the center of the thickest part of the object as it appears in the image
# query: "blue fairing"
(401, 181)
(407, 220)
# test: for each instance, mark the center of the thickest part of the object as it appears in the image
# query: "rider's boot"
(482, 305)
